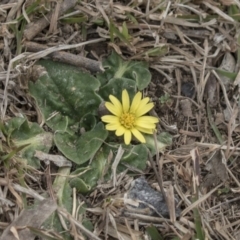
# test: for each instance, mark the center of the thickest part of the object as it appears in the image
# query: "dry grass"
(184, 42)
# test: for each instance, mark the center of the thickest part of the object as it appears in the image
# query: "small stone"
(188, 89)
(141, 191)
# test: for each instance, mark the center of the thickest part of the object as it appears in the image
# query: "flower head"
(128, 119)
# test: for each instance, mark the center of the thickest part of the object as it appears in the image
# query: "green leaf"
(97, 169)
(32, 8)
(233, 10)
(156, 51)
(136, 157)
(115, 32)
(116, 67)
(77, 182)
(29, 136)
(64, 95)
(115, 87)
(76, 19)
(224, 73)
(153, 233)
(11, 126)
(80, 149)
(98, 21)
(214, 127)
(85, 221)
(125, 31)
(12, 153)
(164, 139)
(80, 185)
(88, 224)
(131, 18)
(198, 224)
(3, 129)
(238, 52)
(88, 122)
(66, 143)
(89, 143)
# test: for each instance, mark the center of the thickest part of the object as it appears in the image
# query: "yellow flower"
(128, 119)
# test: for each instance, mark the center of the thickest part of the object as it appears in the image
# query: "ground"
(191, 49)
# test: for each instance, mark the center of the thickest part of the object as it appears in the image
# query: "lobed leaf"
(64, 95)
(30, 136)
(117, 68)
(80, 149)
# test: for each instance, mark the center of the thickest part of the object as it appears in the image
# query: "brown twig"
(159, 178)
(84, 230)
(76, 60)
(34, 28)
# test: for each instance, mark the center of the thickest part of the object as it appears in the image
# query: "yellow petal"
(127, 137)
(117, 104)
(110, 119)
(125, 101)
(144, 109)
(112, 126)
(145, 130)
(143, 102)
(138, 135)
(143, 124)
(120, 131)
(113, 109)
(136, 101)
(149, 119)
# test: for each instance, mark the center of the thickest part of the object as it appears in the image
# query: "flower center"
(127, 120)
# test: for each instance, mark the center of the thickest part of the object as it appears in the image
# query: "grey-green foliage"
(64, 94)
(21, 132)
